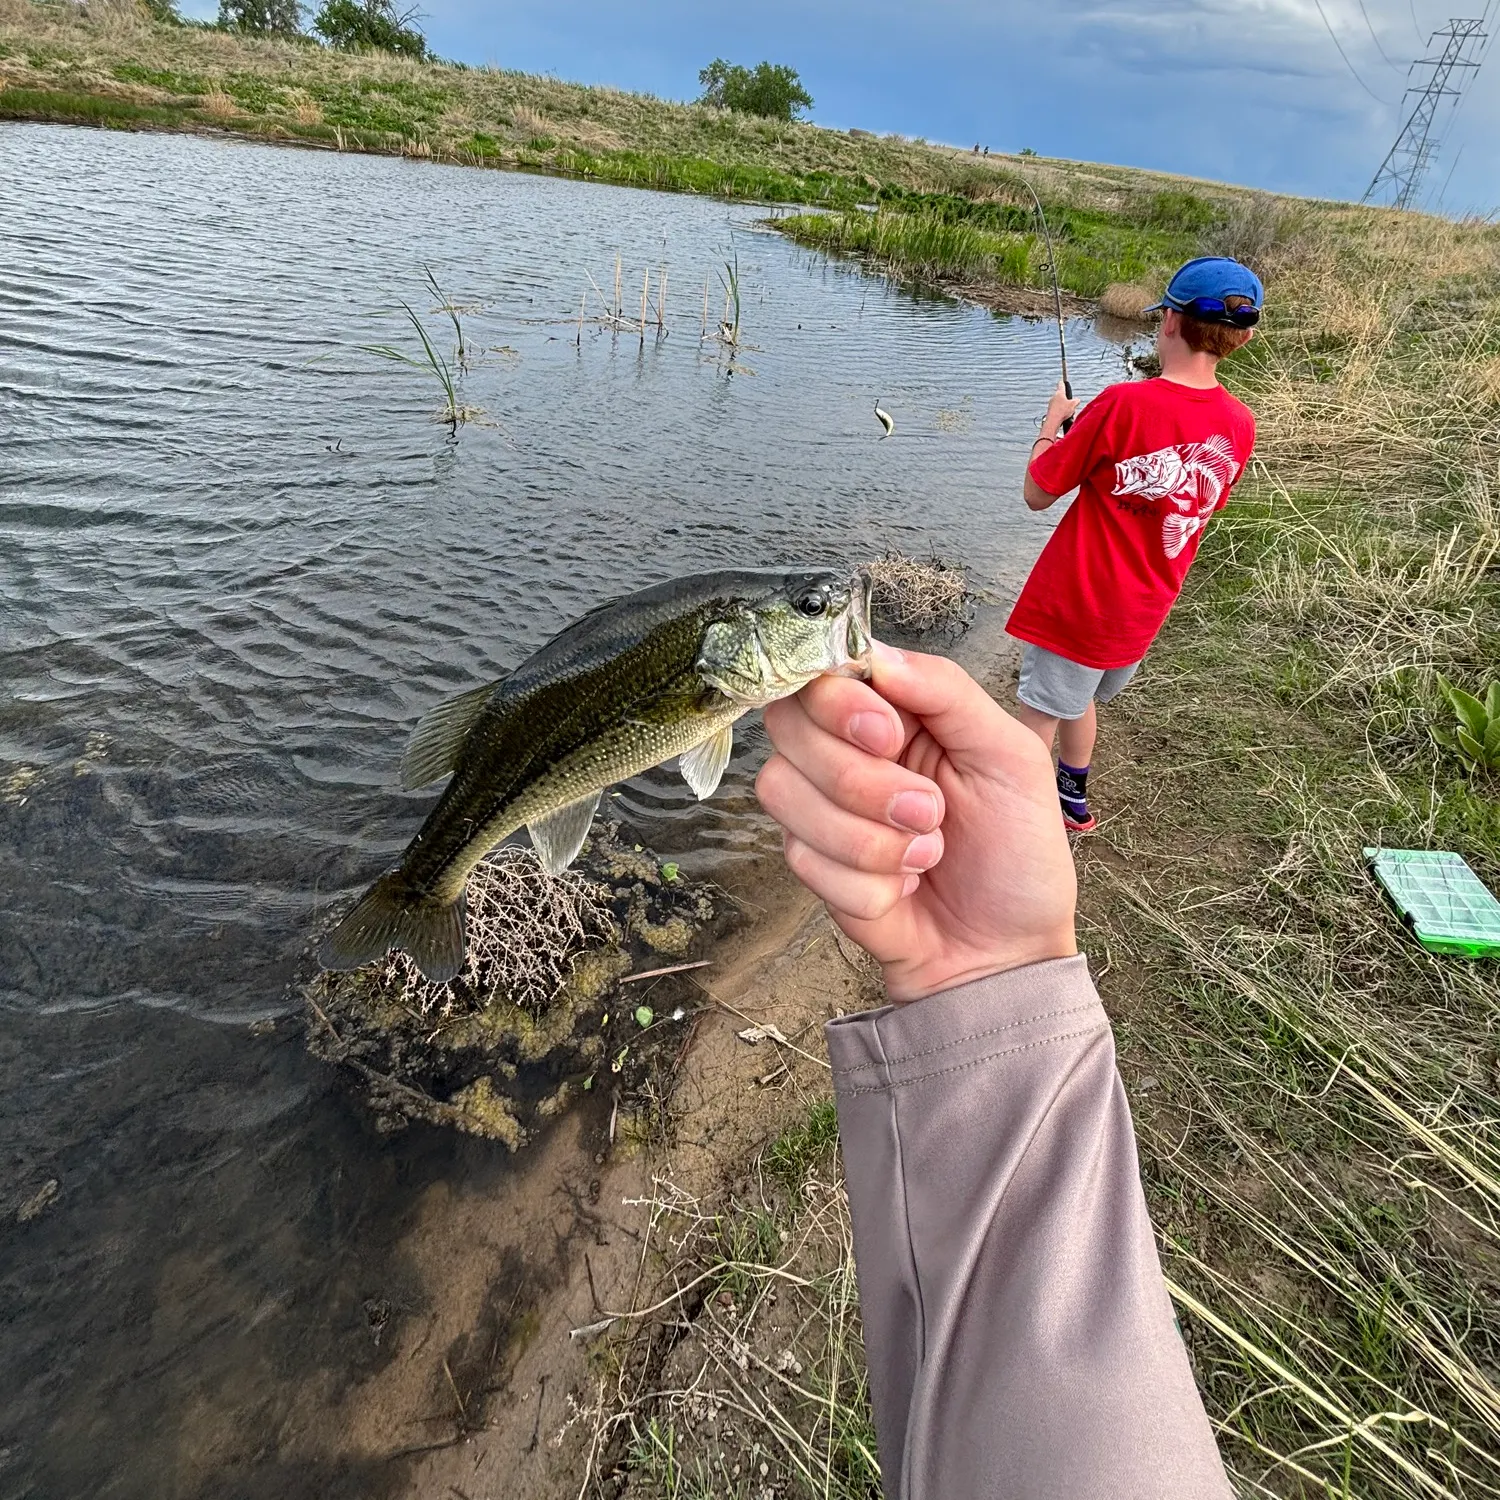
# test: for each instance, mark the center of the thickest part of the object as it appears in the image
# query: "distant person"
(1151, 460)
(1019, 1336)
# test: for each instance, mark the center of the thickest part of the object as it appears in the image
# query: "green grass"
(160, 78)
(86, 109)
(936, 237)
(804, 1149)
(772, 1354)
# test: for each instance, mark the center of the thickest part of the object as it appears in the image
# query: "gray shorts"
(1061, 689)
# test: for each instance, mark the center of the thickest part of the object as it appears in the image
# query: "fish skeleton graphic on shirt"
(1192, 476)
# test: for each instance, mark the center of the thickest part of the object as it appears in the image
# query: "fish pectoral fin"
(702, 767)
(439, 736)
(559, 836)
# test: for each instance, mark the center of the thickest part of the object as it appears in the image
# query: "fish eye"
(813, 604)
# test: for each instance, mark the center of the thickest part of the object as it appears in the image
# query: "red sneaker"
(1075, 825)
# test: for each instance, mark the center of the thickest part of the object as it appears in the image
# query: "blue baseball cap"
(1201, 286)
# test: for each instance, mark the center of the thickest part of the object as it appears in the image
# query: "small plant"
(729, 332)
(1475, 739)
(771, 90)
(434, 362)
(445, 304)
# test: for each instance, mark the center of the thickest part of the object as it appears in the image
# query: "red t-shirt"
(1152, 461)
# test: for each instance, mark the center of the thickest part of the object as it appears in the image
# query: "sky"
(1298, 96)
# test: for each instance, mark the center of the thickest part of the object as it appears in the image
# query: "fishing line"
(1062, 343)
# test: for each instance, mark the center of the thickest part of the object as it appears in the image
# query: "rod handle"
(1068, 392)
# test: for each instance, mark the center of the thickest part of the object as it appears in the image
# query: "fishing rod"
(1062, 343)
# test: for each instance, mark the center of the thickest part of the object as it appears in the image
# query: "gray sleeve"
(1020, 1340)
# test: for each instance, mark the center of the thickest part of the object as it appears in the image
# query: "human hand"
(926, 818)
(1060, 409)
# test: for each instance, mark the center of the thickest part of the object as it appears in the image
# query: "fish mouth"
(858, 642)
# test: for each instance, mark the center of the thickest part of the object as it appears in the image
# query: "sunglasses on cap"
(1216, 310)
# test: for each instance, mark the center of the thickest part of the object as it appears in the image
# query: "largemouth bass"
(660, 673)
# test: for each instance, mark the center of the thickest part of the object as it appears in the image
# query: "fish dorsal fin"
(439, 736)
(702, 767)
(559, 836)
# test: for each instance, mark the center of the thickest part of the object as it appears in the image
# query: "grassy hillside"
(112, 66)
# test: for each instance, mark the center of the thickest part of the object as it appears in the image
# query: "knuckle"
(848, 783)
(784, 719)
(871, 850)
(873, 899)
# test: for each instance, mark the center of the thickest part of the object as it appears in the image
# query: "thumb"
(954, 709)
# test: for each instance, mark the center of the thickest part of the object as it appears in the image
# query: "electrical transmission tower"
(1415, 147)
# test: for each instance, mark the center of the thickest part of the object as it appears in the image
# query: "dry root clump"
(1128, 301)
(525, 928)
(920, 596)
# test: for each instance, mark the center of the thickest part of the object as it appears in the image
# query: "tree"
(261, 17)
(770, 89)
(352, 24)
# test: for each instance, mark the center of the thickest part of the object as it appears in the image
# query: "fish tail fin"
(394, 913)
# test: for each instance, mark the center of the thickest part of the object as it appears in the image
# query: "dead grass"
(525, 929)
(1128, 301)
(747, 1380)
(531, 123)
(217, 105)
(919, 596)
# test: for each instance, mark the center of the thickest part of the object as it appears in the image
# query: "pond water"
(238, 558)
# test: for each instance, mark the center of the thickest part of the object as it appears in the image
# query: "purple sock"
(1072, 787)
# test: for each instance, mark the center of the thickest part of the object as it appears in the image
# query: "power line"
(1457, 156)
(1408, 159)
(1369, 26)
(1360, 81)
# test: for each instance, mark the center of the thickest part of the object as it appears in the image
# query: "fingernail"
(910, 884)
(873, 731)
(923, 853)
(917, 812)
(888, 654)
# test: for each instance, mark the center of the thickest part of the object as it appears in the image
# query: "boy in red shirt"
(1152, 460)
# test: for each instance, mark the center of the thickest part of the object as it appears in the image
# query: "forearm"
(1035, 496)
(1019, 1335)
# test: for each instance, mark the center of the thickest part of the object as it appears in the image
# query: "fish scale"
(661, 673)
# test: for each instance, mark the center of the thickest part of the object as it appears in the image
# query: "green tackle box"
(1441, 899)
